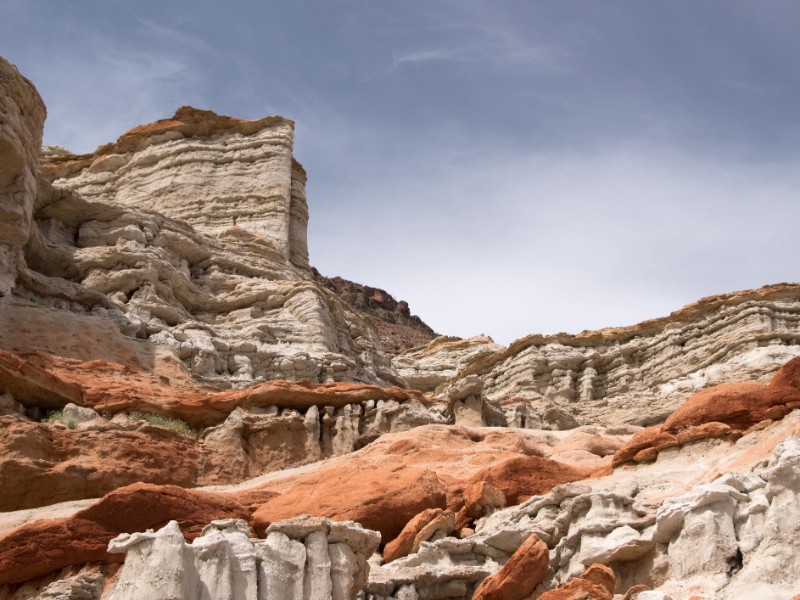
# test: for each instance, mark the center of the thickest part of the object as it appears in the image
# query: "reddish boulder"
(596, 583)
(785, 385)
(418, 530)
(383, 499)
(481, 496)
(520, 575)
(739, 405)
(41, 547)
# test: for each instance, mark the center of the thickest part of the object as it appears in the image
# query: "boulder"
(519, 576)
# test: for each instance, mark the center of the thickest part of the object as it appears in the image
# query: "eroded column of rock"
(22, 115)
(301, 559)
(251, 442)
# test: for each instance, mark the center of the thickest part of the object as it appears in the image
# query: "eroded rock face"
(313, 559)
(398, 329)
(427, 367)
(189, 233)
(640, 374)
(721, 539)
(183, 167)
(22, 115)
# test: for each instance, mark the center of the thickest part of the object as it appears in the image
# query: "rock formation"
(188, 409)
(621, 375)
(398, 329)
(304, 558)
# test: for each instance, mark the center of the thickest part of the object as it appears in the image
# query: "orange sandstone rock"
(520, 575)
(416, 531)
(596, 583)
(44, 464)
(382, 499)
(45, 546)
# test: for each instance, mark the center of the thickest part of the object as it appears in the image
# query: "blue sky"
(506, 167)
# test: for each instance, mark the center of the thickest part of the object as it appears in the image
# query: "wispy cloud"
(176, 36)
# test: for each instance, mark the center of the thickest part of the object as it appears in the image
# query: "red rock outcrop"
(45, 546)
(586, 587)
(520, 575)
(719, 411)
(111, 388)
(33, 386)
(45, 464)
(400, 475)
(521, 477)
(382, 498)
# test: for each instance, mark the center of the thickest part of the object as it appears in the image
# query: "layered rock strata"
(398, 329)
(211, 171)
(22, 115)
(237, 434)
(428, 367)
(640, 374)
(188, 233)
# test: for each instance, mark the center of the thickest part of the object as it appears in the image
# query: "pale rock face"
(301, 559)
(637, 374)
(226, 289)
(22, 114)
(79, 414)
(427, 367)
(212, 172)
(230, 308)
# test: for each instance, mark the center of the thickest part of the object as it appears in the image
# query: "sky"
(506, 167)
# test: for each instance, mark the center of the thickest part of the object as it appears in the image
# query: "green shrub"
(158, 420)
(57, 416)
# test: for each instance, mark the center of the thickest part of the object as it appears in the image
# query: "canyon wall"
(188, 236)
(636, 374)
(211, 171)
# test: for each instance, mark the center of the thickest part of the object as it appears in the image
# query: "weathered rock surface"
(718, 539)
(520, 575)
(84, 456)
(397, 328)
(167, 274)
(428, 367)
(427, 524)
(314, 559)
(45, 381)
(639, 374)
(227, 288)
(719, 411)
(45, 464)
(45, 546)
(22, 115)
(184, 168)
(403, 474)
(596, 583)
